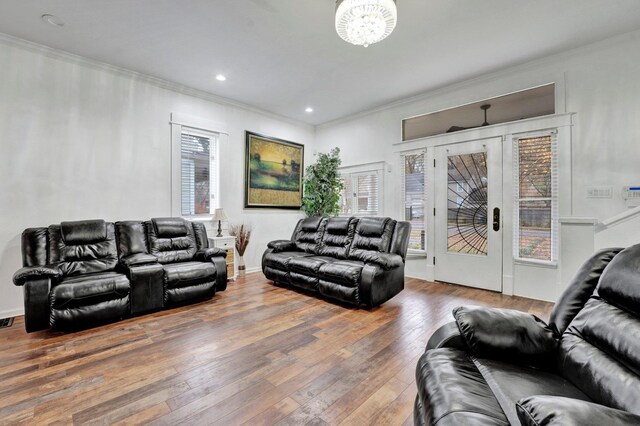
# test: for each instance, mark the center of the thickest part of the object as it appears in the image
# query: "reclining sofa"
(504, 367)
(79, 274)
(358, 261)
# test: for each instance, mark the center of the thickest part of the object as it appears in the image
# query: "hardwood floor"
(255, 354)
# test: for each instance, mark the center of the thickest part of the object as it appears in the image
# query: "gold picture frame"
(273, 172)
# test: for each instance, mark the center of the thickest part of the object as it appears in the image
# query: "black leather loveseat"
(501, 367)
(355, 260)
(79, 274)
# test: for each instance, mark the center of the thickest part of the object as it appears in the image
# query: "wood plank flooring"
(256, 354)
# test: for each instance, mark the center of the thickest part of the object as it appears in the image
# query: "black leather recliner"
(79, 274)
(354, 260)
(504, 367)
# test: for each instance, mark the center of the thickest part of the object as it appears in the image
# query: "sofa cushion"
(620, 281)
(303, 281)
(89, 289)
(600, 354)
(580, 289)
(132, 238)
(337, 237)
(453, 391)
(171, 240)
(309, 234)
(511, 382)
(308, 265)
(372, 235)
(345, 272)
(170, 227)
(557, 411)
(34, 247)
(281, 260)
(184, 274)
(84, 231)
(81, 252)
(339, 291)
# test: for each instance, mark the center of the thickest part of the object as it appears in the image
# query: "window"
(361, 192)
(198, 161)
(413, 180)
(536, 204)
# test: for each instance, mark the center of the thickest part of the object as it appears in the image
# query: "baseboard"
(12, 313)
(252, 270)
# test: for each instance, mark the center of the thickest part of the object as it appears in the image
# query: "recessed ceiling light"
(220, 77)
(308, 109)
(53, 20)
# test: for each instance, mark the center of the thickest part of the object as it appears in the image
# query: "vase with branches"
(323, 186)
(242, 232)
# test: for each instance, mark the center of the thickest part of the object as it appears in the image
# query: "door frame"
(514, 272)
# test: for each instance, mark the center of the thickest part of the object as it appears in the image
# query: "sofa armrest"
(35, 272)
(506, 334)
(447, 336)
(221, 272)
(282, 245)
(205, 255)
(138, 259)
(37, 309)
(554, 410)
(386, 261)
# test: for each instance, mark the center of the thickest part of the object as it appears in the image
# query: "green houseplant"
(322, 185)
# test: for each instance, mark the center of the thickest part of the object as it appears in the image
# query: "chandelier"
(364, 22)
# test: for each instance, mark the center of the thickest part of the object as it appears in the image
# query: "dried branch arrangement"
(242, 232)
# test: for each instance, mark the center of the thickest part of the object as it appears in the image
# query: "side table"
(228, 243)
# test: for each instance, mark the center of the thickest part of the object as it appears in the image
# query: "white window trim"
(410, 251)
(555, 224)
(183, 123)
(360, 169)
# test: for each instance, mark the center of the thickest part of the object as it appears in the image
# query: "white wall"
(81, 140)
(600, 83)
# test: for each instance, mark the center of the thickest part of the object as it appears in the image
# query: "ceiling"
(284, 55)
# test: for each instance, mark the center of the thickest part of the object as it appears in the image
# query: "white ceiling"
(284, 55)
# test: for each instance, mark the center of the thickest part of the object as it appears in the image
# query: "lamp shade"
(219, 215)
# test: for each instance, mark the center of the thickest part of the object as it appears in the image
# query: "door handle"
(496, 219)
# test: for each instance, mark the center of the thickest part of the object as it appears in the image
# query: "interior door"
(468, 214)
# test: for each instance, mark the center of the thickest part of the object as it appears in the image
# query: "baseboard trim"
(12, 313)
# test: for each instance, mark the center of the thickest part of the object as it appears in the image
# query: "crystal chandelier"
(364, 22)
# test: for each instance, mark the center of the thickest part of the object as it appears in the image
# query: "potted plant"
(242, 232)
(322, 185)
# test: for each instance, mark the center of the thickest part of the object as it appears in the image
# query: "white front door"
(468, 222)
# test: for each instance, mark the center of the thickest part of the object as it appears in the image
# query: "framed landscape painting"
(273, 176)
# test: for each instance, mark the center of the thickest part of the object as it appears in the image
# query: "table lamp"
(219, 216)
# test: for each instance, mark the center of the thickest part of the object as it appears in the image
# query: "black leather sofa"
(504, 367)
(79, 274)
(354, 260)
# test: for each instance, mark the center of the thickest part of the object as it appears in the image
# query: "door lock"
(496, 219)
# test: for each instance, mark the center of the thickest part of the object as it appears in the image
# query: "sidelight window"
(536, 198)
(413, 193)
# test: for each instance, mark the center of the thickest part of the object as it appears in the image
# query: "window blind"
(412, 183)
(198, 173)
(361, 193)
(536, 197)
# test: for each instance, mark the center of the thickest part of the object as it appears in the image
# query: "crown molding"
(138, 76)
(483, 78)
